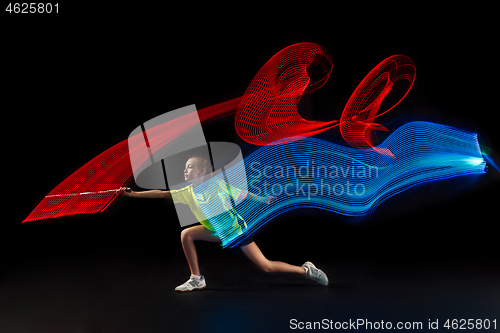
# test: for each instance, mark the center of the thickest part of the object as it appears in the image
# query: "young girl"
(196, 169)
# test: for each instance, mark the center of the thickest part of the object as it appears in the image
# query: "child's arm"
(153, 194)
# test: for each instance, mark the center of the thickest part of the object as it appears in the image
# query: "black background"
(77, 83)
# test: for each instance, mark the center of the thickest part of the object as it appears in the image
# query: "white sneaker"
(315, 274)
(192, 284)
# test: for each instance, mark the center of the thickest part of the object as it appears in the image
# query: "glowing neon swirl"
(268, 109)
(357, 121)
(265, 113)
(312, 173)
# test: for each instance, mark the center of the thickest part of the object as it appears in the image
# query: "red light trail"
(266, 112)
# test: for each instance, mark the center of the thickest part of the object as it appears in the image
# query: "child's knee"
(186, 235)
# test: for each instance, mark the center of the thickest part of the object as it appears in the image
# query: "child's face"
(192, 170)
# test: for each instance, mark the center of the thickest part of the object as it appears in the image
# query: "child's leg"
(188, 236)
(253, 253)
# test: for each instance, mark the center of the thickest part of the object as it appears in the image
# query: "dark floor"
(120, 291)
(116, 271)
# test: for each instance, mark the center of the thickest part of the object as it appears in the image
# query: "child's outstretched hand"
(125, 191)
(270, 199)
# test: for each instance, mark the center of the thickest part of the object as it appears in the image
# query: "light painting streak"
(312, 173)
